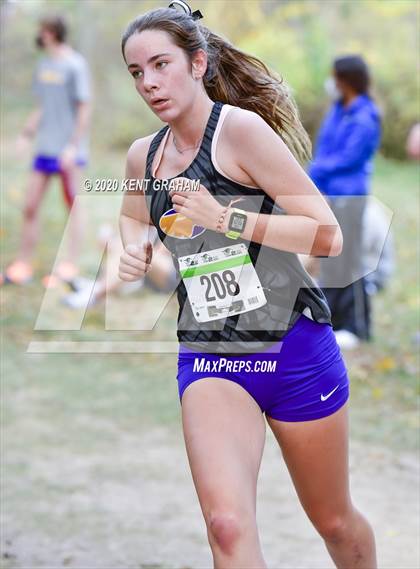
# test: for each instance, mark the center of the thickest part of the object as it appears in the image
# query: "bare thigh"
(37, 185)
(316, 454)
(224, 432)
(70, 183)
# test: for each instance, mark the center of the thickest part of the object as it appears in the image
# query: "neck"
(58, 49)
(189, 127)
(349, 97)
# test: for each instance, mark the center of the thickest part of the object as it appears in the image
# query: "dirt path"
(134, 506)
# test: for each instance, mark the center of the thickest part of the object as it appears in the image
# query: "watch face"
(237, 222)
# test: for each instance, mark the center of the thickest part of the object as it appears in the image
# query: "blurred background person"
(413, 142)
(162, 276)
(59, 125)
(347, 141)
(378, 248)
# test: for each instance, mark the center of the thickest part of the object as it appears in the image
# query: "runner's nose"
(149, 81)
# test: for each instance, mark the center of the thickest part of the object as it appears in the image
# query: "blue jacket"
(345, 145)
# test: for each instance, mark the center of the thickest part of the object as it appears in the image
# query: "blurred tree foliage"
(296, 38)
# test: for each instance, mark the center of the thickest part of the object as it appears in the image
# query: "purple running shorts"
(305, 379)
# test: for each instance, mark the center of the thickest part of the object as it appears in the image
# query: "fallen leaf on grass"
(385, 364)
(377, 393)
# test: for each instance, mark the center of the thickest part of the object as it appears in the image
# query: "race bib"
(221, 282)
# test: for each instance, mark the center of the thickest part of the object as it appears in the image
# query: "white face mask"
(332, 90)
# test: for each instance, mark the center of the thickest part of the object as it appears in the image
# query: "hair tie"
(197, 15)
(180, 4)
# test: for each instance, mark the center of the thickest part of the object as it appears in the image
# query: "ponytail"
(242, 80)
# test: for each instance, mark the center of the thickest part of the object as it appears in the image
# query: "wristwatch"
(237, 222)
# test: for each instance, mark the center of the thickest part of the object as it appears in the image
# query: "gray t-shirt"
(60, 84)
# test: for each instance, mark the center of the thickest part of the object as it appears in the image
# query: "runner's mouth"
(159, 102)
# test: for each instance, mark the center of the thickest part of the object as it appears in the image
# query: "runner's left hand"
(198, 205)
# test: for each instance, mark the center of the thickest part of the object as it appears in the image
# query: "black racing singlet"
(288, 288)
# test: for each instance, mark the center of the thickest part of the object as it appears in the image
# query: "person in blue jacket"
(347, 141)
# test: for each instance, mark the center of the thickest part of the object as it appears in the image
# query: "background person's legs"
(351, 308)
(20, 270)
(37, 185)
(161, 278)
(224, 433)
(70, 181)
(340, 277)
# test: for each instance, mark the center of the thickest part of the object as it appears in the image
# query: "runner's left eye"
(159, 64)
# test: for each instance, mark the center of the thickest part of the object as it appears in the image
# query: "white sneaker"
(83, 298)
(79, 283)
(347, 340)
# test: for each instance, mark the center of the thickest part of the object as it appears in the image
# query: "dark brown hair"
(353, 70)
(232, 76)
(55, 25)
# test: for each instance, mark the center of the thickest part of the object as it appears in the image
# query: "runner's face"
(162, 73)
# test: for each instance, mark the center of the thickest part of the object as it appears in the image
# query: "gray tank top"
(289, 290)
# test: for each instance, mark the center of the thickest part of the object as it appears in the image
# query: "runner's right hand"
(135, 262)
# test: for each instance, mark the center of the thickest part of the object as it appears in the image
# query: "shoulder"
(247, 135)
(367, 115)
(137, 155)
(250, 138)
(76, 62)
(76, 57)
(332, 112)
(241, 122)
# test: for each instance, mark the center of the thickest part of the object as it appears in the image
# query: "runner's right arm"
(134, 217)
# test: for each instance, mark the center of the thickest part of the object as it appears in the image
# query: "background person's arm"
(357, 148)
(69, 154)
(31, 124)
(29, 130)
(413, 142)
(81, 92)
(82, 122)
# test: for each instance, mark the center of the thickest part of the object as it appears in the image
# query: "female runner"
(255, 332)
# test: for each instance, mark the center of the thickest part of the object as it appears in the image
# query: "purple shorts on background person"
(51, 164)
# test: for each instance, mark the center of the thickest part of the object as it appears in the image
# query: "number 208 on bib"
(221, 282)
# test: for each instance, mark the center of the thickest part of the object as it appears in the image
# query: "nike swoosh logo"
(325, 397)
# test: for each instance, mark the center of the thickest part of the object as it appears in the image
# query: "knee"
(224, 529)
(333, 528)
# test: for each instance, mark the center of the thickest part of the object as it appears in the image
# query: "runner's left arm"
(310, 226)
